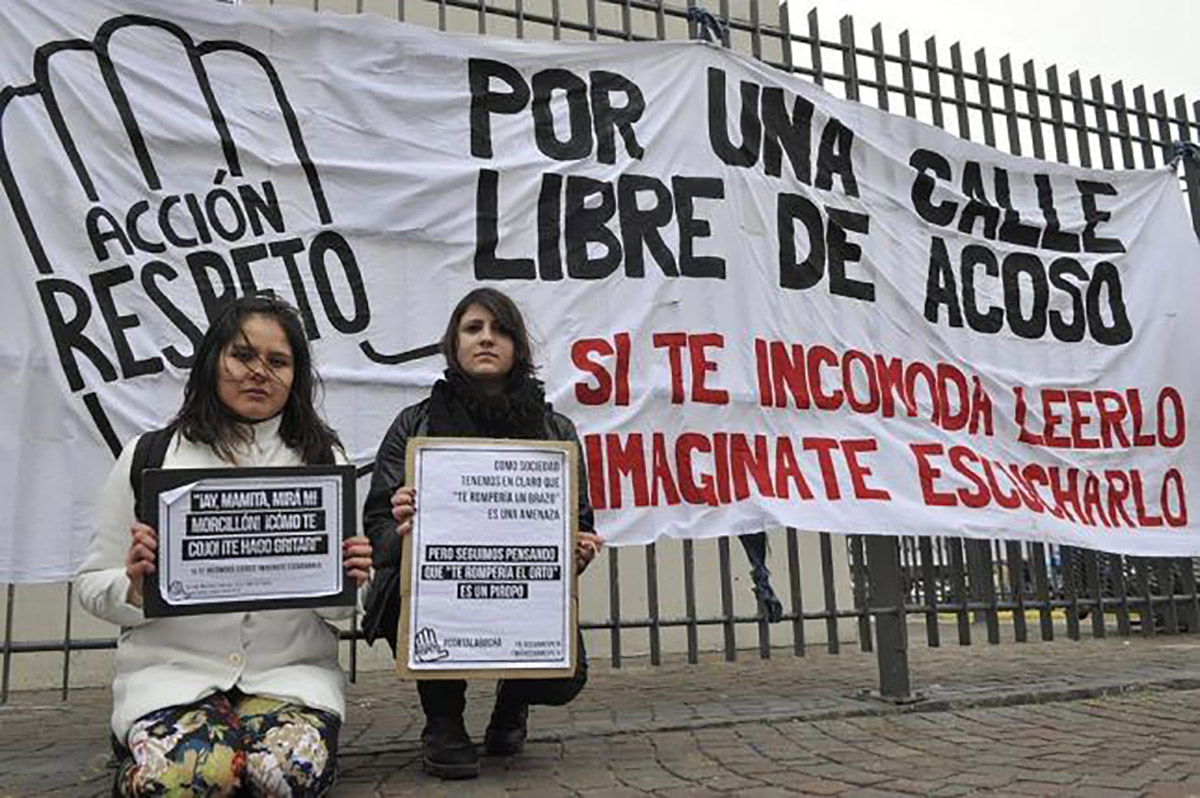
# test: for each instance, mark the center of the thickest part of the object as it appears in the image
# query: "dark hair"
(508, 319)
(203, 418)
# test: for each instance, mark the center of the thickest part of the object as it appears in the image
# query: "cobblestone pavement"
(1097, 717)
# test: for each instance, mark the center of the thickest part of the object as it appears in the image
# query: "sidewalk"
(1097, 717)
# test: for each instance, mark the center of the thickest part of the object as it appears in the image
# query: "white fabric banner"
(759, 303)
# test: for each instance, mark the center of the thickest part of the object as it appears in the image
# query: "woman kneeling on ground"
(245, 703)
(489, 391)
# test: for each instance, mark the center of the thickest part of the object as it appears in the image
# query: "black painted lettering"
(485, 101)
(586, 225)
(687, 190)
(640, 226)
(610, 118)
(329, 241)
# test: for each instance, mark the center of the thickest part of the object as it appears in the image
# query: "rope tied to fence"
(1185, 151)
(708, 25)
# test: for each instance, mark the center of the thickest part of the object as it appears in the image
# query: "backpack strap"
(149, 452)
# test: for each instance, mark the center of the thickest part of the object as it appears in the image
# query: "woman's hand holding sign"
(404, 506)
(587, 546)
(140, 560)
(356, 556)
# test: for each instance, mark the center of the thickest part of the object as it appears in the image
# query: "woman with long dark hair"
(489, 391)
(230, 702)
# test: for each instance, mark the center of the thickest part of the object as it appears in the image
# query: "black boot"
(446, 748)
(506, 731)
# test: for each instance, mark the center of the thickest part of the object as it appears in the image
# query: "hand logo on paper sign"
(154, 177)
(426, 647)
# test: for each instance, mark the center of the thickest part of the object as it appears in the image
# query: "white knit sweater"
(161, 662)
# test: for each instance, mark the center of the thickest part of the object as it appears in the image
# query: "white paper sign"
(251, 539)
(493, 546)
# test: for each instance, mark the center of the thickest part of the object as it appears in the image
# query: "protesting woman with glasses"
(488, 391)
(246, 703)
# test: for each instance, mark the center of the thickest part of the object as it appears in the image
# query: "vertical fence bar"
(860, 582)
(1191, 169)
(660, 20)
(929, 580)
(1166, 589)
(1191, 179)
(1041, 584)
(764, 625)
(1016, 581)
(591, 20)
(755, 31)
(1118, 566)
(785, 31)
(887, 593)
(935, 82)
(1095, 578)
(882, 101)
(1143, 119)
(66, 668)
(958, 584)
(689, 601)
(1071, 579)
(960, 93)
(906, 76)
(1123, 131)
(1079, 110)
(831, 605)
(8, 628)
(794, 586)
(1164, 126)
(727, 625)
(1057, 125)
(1011, 119)
(1103, 135)
(354, 647)
(985, 97)
(652, 603)
(814, 44)
(614, 604)
(1034, 104)
(1145, 602)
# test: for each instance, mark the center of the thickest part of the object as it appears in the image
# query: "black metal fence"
(894, 582)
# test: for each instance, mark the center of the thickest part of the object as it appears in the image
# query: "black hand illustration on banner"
(160, 194)
(426, 647)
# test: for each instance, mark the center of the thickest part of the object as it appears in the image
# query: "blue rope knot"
(707, 25)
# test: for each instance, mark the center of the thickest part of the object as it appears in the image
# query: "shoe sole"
(451, 772)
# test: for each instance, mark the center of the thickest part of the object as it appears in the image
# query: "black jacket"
(382, 612)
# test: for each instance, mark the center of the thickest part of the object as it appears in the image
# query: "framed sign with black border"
(242, 539)
(488, 586)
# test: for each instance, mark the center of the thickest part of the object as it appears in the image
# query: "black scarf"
(458, 409)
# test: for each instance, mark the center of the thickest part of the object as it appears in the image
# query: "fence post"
(1190, 154)
(891, 634)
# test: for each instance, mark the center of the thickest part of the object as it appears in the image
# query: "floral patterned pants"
(230, 744)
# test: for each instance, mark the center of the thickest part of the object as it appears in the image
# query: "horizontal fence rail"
(953, 589)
